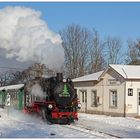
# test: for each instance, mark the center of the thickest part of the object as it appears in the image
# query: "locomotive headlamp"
(79, 105)
(50, 106)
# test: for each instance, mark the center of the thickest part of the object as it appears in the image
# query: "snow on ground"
(19, 125)
(129, 122)
(128, 127)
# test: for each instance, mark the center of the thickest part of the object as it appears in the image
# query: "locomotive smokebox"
(59, 77)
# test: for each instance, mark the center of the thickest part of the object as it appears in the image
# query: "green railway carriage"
(2, 98)
(16, 93)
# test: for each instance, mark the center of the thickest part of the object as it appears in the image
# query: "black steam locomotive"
(54, 99)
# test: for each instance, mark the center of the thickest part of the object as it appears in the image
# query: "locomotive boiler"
(52, 98)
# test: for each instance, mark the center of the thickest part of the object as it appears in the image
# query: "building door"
(138, 101)
(84, 100)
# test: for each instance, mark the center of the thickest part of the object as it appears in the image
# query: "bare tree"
(113, 48)
(133, 53)
(83, 51)
(75, 42)
(6, 77)
(96, 59)
(11, 77)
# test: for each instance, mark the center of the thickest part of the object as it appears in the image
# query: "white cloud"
(26, 37)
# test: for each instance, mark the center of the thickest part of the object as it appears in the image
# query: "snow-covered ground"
(128, 122)
(19, 125)
(128, 127)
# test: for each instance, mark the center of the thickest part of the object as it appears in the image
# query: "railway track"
(91, 131)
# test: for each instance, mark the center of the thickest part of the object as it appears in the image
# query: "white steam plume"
(37, 91)
(26, 37)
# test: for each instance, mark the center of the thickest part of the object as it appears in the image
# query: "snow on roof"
(12, 87)
(90, 77)
(127, 71)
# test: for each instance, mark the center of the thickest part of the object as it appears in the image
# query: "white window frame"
(113, 99)
(94, 101)
(83, 96)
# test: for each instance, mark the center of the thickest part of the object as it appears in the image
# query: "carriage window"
(28, 99)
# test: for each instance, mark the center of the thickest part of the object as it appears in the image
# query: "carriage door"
(83, 100)
(138, 101)
(1, 102)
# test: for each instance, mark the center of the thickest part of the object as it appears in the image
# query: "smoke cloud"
(26, 37)
(37, 91)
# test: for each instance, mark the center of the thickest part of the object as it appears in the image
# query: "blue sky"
(109, 18)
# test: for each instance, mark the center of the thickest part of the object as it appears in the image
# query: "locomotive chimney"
(59, 77)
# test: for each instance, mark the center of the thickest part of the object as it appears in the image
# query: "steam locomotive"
(52, 98)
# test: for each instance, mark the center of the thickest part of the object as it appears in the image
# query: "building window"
(98, 99)
(113, 98)
(83, 97)
(94, 98)
(139, 98)
(130, 92)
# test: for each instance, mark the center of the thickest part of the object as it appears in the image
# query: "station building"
(114, 91)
